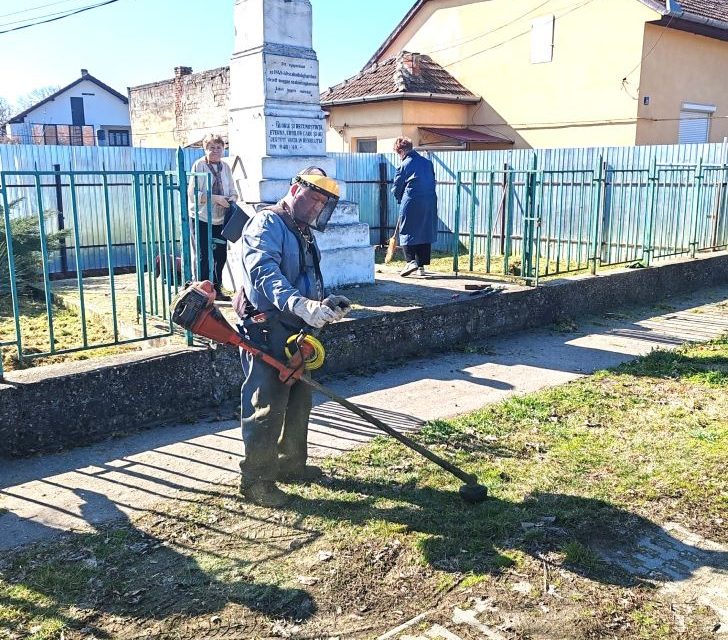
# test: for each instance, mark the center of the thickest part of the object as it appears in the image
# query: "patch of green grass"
(575, 553)
(442, 262)
(570, 471)
(648, 623)
(705, 363)
(471, 580)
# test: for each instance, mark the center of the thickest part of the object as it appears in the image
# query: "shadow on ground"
(122, 571)
(465, 538)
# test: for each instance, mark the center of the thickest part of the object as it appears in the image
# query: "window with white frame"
(542, 40)
(695, 123)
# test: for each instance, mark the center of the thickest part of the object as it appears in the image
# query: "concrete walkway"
(43, 496)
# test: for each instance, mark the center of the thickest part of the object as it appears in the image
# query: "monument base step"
(348, 265)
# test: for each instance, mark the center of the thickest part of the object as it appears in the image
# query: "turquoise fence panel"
(55, 193)
(155, 223)
(596, 206)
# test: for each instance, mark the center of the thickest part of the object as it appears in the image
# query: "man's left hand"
(340, 304)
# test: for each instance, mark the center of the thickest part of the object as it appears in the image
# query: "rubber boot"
(292, 472)
(263, 493)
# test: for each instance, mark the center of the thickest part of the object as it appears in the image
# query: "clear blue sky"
(132, 42)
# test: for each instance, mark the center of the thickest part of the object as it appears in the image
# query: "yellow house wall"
(577, 99)
(683, 67)
(381, 120)
(388, 120)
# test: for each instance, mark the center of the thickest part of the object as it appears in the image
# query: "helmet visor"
(314, 203)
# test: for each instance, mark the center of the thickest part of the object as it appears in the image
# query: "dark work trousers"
(419, 253)
(219, 253)
(273, 416)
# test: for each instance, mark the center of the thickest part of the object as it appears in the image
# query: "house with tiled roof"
(398, 91)
(534, 73)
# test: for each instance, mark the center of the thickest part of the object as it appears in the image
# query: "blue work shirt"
(414, 190)
(272, 272)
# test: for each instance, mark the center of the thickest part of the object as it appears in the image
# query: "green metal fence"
(536, 222)
(160, 218)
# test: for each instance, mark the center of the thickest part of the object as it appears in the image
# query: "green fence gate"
(132, 304)
(534, 222)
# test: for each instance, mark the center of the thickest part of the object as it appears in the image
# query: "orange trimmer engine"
(194, 310)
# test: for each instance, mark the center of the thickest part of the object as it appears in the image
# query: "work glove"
(340, 304)
(314, 313)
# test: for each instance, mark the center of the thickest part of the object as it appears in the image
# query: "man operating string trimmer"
(282, 292)
(280, 301)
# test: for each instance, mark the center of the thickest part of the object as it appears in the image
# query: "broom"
(392, 247)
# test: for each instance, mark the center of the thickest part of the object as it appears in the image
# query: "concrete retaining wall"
(67, 405)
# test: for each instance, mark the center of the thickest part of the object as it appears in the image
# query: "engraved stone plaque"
(291, 79)
(295, 136)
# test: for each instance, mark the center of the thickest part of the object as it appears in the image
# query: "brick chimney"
(411, 62)
(182, 71)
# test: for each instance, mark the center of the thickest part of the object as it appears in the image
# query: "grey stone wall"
(61, 406)
(182, 110)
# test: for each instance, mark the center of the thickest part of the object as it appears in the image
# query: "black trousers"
(219, 253)
(273, 416)
(419, 253)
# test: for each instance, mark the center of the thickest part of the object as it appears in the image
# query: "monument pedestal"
(347, 256)
(277, 127)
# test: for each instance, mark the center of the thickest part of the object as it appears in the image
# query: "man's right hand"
(314, 313)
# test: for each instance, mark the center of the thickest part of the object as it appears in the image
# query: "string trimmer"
(194, 310)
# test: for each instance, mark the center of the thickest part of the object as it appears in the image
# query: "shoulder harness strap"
(302, 245)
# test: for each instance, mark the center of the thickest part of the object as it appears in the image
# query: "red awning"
(467, 135)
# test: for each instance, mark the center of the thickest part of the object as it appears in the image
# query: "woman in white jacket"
(223, 193)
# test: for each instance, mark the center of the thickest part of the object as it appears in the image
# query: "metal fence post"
(719, 211)
(77, 257)
(140, 252)
(650, 221)
(61, 221)
(109, 252)
(597, 215)
(489, 222)
(507, 217)
(604, 212)
(456, 225)
(529, 222)
(11, 272)
(44, 259)
(184, 225)
(471, 239)
(383, 203)
(697, 201)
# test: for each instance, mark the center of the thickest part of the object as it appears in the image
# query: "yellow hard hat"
(323, 184)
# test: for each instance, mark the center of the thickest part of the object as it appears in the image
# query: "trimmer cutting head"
(473, 493)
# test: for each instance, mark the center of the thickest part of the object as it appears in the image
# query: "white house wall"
(100, 107)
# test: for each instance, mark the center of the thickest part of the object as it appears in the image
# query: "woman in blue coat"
(414, 190)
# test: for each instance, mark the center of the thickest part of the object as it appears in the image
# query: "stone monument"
(277, 128)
